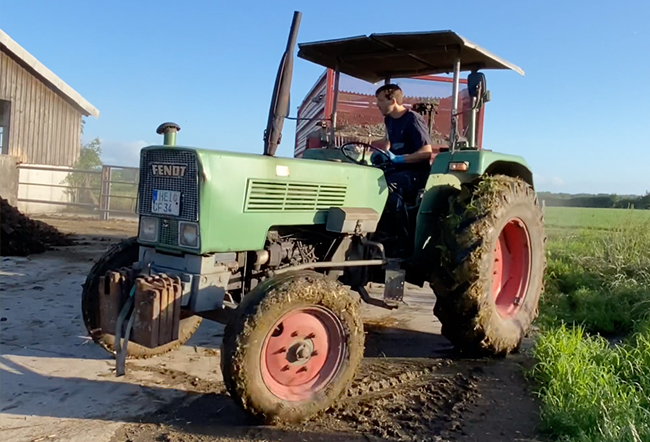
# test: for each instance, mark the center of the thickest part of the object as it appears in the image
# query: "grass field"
(593, 352)
(588, 218)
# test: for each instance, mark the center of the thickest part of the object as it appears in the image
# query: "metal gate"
(109, 191)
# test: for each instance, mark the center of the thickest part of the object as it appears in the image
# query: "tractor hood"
(400, 55)
(237, 197)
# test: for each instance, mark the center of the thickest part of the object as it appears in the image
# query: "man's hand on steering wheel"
(379, 158)
(385, 157)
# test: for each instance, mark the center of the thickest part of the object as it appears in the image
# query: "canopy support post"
(337, 77)
(453, 131)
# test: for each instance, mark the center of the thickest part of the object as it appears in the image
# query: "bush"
(591, 391)
(598, 291)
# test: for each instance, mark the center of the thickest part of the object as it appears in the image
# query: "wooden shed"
(40, 115)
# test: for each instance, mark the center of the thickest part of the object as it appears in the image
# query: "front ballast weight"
(152, 304)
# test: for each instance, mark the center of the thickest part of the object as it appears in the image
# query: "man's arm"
(420, 137)
(386, 140)
(422, 154)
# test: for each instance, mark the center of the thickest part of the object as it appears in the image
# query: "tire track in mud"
(402, 400)
(395, 400)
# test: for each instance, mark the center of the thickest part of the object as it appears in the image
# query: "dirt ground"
(56, 385)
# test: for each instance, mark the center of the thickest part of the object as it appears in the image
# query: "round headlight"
(189, 235)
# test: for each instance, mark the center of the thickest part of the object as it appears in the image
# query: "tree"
(644, 201)
(86, 187)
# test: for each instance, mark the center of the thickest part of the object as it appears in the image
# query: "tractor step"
(394, 282)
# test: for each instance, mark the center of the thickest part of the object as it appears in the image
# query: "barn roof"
(47, 76)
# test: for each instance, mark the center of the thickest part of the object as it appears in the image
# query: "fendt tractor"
(282, 250)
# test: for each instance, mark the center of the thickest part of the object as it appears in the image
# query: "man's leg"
(394, 221)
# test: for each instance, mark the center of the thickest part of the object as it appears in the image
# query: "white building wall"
(29, 188)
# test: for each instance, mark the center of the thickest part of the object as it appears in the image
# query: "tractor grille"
(168, 232)
(187, 184)
(276, 196)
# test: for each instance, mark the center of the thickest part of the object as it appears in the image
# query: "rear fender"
(443, 184)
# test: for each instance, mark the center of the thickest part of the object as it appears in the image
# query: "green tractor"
(276, 248)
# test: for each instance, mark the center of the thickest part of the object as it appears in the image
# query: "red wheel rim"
(302, 353)
(511, 268)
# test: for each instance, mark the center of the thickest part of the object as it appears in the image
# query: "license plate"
(166, 202)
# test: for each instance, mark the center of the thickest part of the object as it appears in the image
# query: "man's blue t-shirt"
(407, 134)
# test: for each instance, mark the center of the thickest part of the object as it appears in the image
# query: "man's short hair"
(391, 91)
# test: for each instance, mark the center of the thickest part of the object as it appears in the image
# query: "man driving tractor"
(408, 145)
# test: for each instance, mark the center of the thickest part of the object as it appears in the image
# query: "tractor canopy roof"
(398, 55)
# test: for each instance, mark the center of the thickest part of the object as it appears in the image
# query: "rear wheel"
(123, 254)
(493, 264)
(293, 347)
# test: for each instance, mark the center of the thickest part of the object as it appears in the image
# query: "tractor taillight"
(459, 166)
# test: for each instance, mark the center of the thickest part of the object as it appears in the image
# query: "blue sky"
(579, 116)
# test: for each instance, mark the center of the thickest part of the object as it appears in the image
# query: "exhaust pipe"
(168, 130)
(280, 100)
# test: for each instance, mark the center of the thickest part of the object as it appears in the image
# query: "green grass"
(598, 288)
(592, 391)
(588, 218)
(599, 279)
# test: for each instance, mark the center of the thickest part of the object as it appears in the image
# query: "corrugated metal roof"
(401, 55)
(46, 75)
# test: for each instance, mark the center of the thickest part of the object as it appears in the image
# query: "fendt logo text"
(171, 170)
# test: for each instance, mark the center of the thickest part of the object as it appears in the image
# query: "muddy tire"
(293, 347)
(493, 264)
(123, 254)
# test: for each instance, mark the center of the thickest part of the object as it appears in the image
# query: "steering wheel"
(352, 149)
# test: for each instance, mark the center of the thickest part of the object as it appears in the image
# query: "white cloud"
(551, 181)
(122, 153)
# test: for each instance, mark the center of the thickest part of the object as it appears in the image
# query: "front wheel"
(493, 263)
(293, 347)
